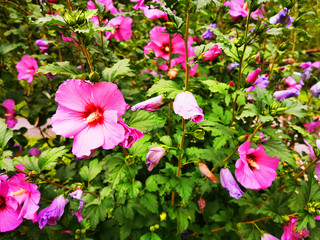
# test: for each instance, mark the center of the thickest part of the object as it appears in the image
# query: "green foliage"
(5, 134)
(145, 121)
(60, 68)
(121, 68)
(89, 173)
(163, 86)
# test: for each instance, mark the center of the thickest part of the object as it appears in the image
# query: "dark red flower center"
(93, 115)
(165, 48)
(252, 163)
(2, 203)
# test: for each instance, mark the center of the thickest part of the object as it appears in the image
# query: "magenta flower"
(51, 214)
(205, 171)
(311, 151)
(290, 231)
(122, 27)
(152, 13)
(8, 105)
(109, 6)
(212, 53)
(153, 156)
(43, 45)
(151, 105)
(238, 8)
(255, 169)
(160, 43)
(316, 64)
(259, 13)
(138, 5)
(26, 194)
(186, 106)
(305, 65)
(34, 152)
(292, 83)
(89, 113)
(252, 77)
(26, 68)
(279, 95)
(315, 90)
(131, 135)
(9, 209)
(228, 182)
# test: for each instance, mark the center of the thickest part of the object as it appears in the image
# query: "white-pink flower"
(90, 114)
(186, 106)
(122, 27)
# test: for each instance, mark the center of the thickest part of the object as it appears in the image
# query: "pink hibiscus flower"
(26, 68)
(212, 53)
(131, 135)
(160, 43)
(290, 231)
(255, 169)
(238, 8)
(122, 27)
(89, 113)
(9, 209)
(8, 105)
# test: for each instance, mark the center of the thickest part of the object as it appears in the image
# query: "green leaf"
(182, 219)
(134, 189)
(95, 213)
(276, 148)
(6, 162)
(249, 232)
(202, 3)
(294, 107)
(220, 141)
(250, 200)
(125, 230)
(166, 140)
(5, 48)
(29, 162)
(121, 68)
(60, 68)
(145, 121)
(48, 158)
(151, 183)
(183, 186)
(150, 236)
(50, 20)
(305, 221)
(163, 86)
(216, 86)
(150, 201)
(89, 173)
(5, 134)
(140, 147)
(275, 31)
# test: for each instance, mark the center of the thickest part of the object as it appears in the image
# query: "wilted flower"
(207, 35)
(290, 231)
(43, 45)
(151, 105)
(252, 76)
(89, 113)
(186, 106)
(205, 171)
(26, 68)
(212, 53)
(51, 214)
(34, 152)
(201, 204)
(279, 95)
(228, 182)
(255, 169)
(122, 27)
(153, 156)
(131, 135)
(282, 18)
(8, 105)
(77, 194)
(172, 73)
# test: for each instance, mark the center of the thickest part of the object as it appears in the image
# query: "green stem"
(274, 59)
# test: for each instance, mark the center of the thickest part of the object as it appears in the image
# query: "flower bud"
(153, 156)
(172, 73)
(205, 171)
(199, 134)
(252, 77)
(151, 105)
(201, 204)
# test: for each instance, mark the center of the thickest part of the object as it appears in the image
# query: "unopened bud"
(157, 226)
(69, 18)
(199, 134)
(152, 228)
(94, 76)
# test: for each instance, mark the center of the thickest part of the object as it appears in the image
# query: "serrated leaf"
(304, 222)
(183, 186)
(220, 141)
(89, 173)
(134, 189)
(94, 213)
(276, 148)
(29, 162)
(5, 48)
(60, 68)
(6, 162)
(150, 236)
(182, 219)
(294, 107)
(166, 140)
(151, 183)
(202, 3)
(5, 134)
(216, 86)
(264, 119)
(163, 86)
(275, 31)
(145, 121)
(48, 158)
(51, 19)
(249, 232)
(125, 230)
(247, 113)
(121, 68)
(149, 201)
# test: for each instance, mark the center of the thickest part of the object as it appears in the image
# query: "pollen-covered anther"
(252, 163)
(94, 116)
(19, 192)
